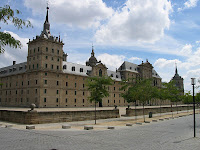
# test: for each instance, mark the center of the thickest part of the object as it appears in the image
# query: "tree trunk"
(143, 113)
(176, 108)
(160, 108)
(95, 112)
(135, 112)
(171, 110)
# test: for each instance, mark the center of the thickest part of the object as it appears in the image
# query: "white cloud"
(189, 4)
(111, 61)
(79, 13)
(11, 54)
(138, 20)
(186, 50)
(132, 59)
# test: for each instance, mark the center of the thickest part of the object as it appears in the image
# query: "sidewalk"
(103, 124)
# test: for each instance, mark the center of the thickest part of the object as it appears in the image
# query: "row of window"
(73, 68)
(38, 50)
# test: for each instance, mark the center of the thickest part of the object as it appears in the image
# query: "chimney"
(14, 62)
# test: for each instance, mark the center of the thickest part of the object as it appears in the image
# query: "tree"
(172, 93)
(187, 99)
(131, 92)
(161, 95)
(98, 89)
(8, 15)
(146, 92)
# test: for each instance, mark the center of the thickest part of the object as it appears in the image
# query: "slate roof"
(14, 69)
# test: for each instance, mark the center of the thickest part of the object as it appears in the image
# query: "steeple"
(92, 60)
(46, 29)
(92, 54)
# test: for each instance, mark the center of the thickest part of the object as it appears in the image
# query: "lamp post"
(193, 83)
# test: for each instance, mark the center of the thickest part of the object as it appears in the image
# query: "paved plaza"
(173, 134)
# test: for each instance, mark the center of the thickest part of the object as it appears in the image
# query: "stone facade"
(48, 80)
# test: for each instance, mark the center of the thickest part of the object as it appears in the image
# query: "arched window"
(100, 72)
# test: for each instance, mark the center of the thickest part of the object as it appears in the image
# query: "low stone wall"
(54, 117)
(131, 112)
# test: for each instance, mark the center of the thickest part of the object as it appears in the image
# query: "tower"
(46, 51)
(178, 80)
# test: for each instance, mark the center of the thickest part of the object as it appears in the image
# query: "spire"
(92, 54)
(46, 29)
(47, 18)
(176, 70)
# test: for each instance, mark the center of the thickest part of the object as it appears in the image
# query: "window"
(74, 100)
(51, 66)
(33, 66)
(38, 49)
(81, 69)
(45, 91)
(45, 73)
(27, 99)
(37, 66)
(45, 100)
(114, 95)
(57, 82)
(52, 50)
(58, 59)
(83, 93)
(35, 91)
(66, 92)
(46, 57)
(51, 58)
(21, 100)
(45, 65)
(57, 67)
(66, 83)
(83, 85)
(35, 81)
(28, 82)
(66, 100)
(45, 81)
(75, 84)
(46, 49)
(111, 75)
(73, 68)
(57, 100)
(34, 50)
(100, 73)
(65, 67)
(0, 100)
(108, 101)
(114, 101)
(74, 92)
(57, 51)
(57, 92)
(16, 92)
(83, 101)
(119, 101)
(22, 83)
(114, 88)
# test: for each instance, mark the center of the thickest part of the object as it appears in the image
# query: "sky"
(166, 32)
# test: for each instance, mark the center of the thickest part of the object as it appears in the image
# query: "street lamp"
(193, 83)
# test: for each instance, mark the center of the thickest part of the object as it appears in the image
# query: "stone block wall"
(54, 117)
(131, 112)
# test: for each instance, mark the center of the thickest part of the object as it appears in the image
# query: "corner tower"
(178, 80)
(45, 52)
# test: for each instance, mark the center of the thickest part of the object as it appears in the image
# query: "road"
(174, 134)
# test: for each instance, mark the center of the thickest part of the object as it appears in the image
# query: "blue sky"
(162, 31)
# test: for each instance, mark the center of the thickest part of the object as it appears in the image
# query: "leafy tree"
(172, 93)
(187, 99)
(146, 92)
(9, 15)
(131, 92)
(161, 95)
(98, 89)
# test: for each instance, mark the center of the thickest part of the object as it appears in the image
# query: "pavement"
(170, 134)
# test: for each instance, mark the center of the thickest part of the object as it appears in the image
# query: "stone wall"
(54, 117)
(131, 112)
